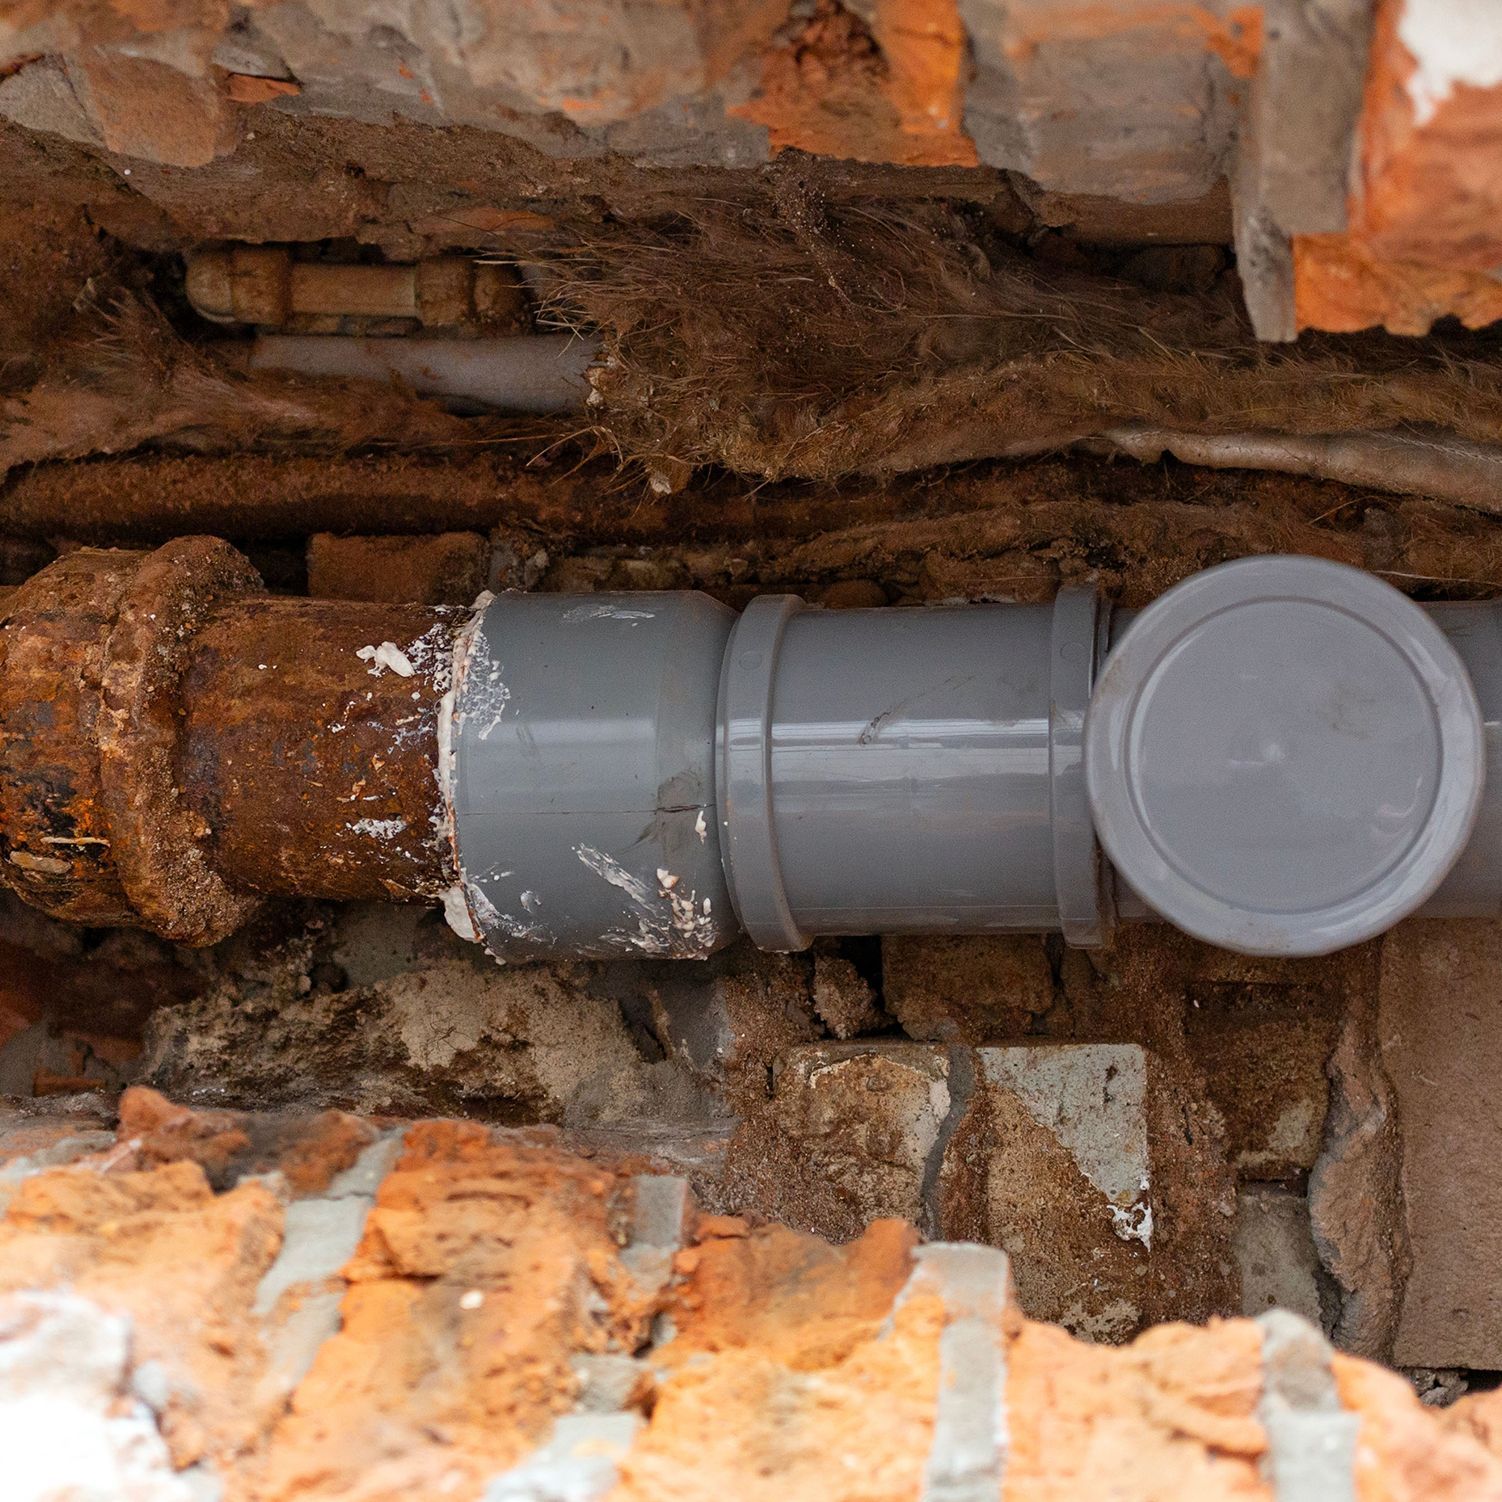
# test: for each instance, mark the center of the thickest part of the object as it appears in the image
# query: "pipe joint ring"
(743, 791)
(1077, 643)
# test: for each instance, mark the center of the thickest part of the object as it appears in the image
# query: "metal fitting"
(264, 285)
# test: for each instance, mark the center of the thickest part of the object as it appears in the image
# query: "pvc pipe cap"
(1284, 756)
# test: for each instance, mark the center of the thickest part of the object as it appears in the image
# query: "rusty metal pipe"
(175, 744)
(309, 744)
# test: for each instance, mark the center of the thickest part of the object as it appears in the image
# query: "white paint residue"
(457, 915)
(483, 694)
(449, 677)
(531, 901)
(1135, 1224)
(701, 828)
(380, 829)
(495, 696)
(670, 920)
(387, 655)
(1452, 43)
(605, 612)
(493, 921)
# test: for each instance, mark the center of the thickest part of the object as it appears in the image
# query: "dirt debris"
(821, 341)
(494, 1282)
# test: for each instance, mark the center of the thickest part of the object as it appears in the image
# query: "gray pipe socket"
(1282, 756)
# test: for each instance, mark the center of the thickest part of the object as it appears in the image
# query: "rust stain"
(1236, 37)
(1425, 232)
(250, 88)
(890, 93)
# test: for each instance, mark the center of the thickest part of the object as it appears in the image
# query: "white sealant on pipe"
(457, 910)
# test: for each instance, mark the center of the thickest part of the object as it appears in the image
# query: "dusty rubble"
(266, 1306)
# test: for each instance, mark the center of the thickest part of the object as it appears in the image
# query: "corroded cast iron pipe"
(175, 744)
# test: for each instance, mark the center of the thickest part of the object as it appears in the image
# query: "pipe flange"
(56, 846)
(158, 840)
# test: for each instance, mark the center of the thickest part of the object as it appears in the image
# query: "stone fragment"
(1355, 1190)
(868, 1119)
(69, 1426)
(1275, 1252)
(966, 990)
(1440, 1032)
(338, 1019)
(149, 109)
(843, 997)
(1051, 1162)
(1261, 1046)
(41, 96)
(728, 1019)
(1040, 1149)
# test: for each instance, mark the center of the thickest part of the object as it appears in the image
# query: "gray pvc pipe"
(644, 773)
(649, 774)
(535, 373)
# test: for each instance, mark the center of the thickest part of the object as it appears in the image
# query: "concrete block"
(1275, 1252)
(1440, 1032)
(1041, 1149)
(597, 62)
(1148, 118)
